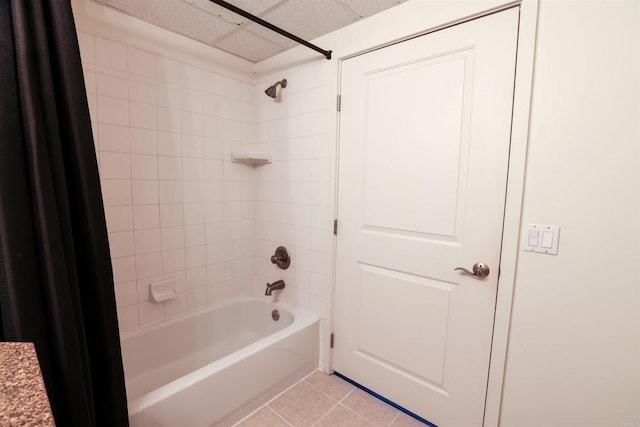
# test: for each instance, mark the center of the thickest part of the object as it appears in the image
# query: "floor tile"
(405, 420)
(332, 385)
(265, 417)
(302, 405)
(371, 408)
(341, 416)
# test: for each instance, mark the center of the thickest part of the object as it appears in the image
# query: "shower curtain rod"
(326, 53)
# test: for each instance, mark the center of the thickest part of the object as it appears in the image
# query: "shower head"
(272, 90)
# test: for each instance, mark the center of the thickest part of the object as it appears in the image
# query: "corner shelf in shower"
(251, 159)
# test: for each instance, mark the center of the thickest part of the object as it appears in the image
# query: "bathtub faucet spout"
(279, 284)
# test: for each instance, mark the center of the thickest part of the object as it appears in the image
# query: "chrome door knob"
(480, 270)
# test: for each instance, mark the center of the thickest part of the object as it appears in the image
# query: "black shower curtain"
(56, 282)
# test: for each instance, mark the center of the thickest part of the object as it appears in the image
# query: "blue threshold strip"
(384, 399)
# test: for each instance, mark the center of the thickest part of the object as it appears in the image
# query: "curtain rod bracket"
(241, 12)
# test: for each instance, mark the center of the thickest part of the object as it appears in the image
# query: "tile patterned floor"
(327, 401)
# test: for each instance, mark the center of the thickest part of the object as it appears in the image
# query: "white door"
(424, 149)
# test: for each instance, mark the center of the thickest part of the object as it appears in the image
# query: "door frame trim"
(523, 89)
(523, 86)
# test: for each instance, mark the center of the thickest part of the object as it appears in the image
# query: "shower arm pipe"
(235, 9)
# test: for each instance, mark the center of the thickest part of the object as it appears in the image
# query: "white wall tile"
(115, 166)
(171, 215)
(90, 79)
(141, 63)
(169, 95)
(128, 319)
(142, 90)
(124, 269)
(196, 277)
(173, 260)
(192, 169)
(209, 81)
(171, 192)
(119, 218)
(87, 47)
(213, 170)
(169, 119)
(144, 166)
(215, 253)
(92, 101)
(212, 148)
(214, 211)
(113, 111)
(194, 235)
(320, 217)
(196, 299)
(320, 194)
(193, 191)
(121, 244)
(114, 138)
(146, 217)
(143, 287)
(192, 101)
(169, 168)
(147, 241)
(172, 238)
(145, 192)
(143, 141)
(194, 257)
(194, 213)
(116, 192)
(165, 172)
(192, 123)
(214, 232)
(192, 77)
(168, 70)
(180, 279)
(126, 294)
(142, 115)
(112, 83)
(192, 146)
(148, 265)
(150, 312)
(176, 306)
(215, 273)
(110, 54)
(169, 144)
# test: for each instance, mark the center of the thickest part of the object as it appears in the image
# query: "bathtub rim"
(301, 320)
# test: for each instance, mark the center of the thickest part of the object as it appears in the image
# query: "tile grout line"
(325, 414)
(278, 415)
(395, 418)
(273, 399)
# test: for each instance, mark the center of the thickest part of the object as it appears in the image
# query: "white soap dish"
(252, 159)
(163, 291)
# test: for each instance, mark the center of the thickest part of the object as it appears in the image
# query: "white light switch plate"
(542, 239)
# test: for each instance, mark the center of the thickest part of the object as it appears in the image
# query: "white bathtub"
(216, 366)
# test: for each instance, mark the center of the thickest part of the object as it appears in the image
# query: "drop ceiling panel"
(177, 16)
(309, 19)
(272, 36)
(255, 7)
(366, 8)
(216, 26)
(249, 46)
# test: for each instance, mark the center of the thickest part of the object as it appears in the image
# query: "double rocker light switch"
(541, 238)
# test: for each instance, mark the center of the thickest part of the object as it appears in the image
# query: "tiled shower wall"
(293, 193)
(176, 207)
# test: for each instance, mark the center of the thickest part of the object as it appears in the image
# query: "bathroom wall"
(176, 207)
(574, 344)
(574, 348)
(293, 193)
